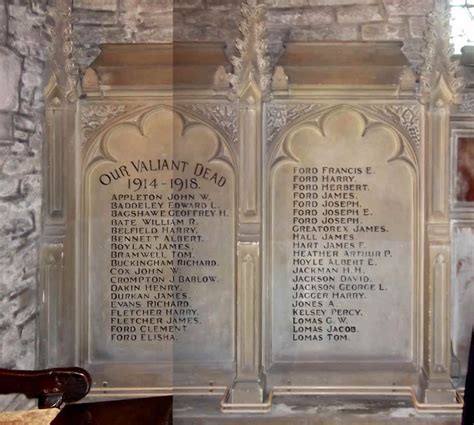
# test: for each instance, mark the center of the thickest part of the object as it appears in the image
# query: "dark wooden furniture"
(468, 409)
(141, 411)
(52, 387)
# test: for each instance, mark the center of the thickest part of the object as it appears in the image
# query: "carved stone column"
(57, 246)
(250, 82)
(440, 88)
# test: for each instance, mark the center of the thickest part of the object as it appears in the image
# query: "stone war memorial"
(258, 230)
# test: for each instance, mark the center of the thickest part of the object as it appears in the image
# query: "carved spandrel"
(279, 116)
(406, 116)
(96, 116)
(223, 116)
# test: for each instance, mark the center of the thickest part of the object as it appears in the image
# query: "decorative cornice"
(438, 74)
(252, 64)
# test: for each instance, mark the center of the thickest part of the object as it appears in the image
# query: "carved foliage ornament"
(225, 117)
(438, 71)
(407, 116)
(95, 116)
(280, 115)
(252, 63)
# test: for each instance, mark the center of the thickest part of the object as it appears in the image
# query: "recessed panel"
(159, 250)
(342, 198)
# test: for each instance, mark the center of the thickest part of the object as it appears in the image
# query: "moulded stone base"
(310, 410)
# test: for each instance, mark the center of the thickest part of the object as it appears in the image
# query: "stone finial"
(63, 65)
(71, 69)
(252, 64)
(438, 73)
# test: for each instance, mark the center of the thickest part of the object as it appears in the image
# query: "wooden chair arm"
(51, 387)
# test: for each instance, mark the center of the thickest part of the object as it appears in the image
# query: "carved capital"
(439, 73)
(252, 64)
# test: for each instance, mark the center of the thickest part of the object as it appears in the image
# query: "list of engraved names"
(159, 215)
(332, 256)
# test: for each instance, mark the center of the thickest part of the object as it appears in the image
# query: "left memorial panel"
(158, 238)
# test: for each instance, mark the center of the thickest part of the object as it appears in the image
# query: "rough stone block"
(18, 147)
(155, 35)
(417, 25)
(358, 13)
(9, 79)
(24, 123)
(21, 223)
(300, 17)
(102, 17)
(286, 3)
(96, 4)
(21, 135)
(9, 187)
(339, 2)
(5, 126)
(187, 4)
(412, 50)
(208, 18)
(3, 23)
(160, 20)
(325, 32)
(223, 4)
(146, 5)
(94, 35)
(31, 185)
(18, 166)
(18, 11)
(408, 7)
(384, 31)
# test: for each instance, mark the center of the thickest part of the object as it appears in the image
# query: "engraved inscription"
(156, 251)
(342, 231)
(331, 262)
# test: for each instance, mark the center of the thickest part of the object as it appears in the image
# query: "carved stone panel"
(158, 242)
(342, 232)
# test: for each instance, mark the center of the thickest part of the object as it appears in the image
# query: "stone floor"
(309, 410)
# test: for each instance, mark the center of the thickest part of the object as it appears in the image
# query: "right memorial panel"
(342, 242)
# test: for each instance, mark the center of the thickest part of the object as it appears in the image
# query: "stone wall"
(114, 21)
(22, 62)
